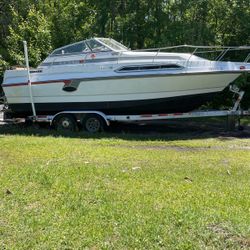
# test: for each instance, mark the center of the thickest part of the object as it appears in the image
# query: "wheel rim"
(65, 123)
(93, 125)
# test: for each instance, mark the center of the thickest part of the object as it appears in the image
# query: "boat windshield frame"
(93, 45)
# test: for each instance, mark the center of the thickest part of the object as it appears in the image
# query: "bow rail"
(222, 50)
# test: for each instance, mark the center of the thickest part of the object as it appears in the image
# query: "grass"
(116, 191)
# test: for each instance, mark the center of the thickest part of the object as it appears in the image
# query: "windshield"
(71, 49)
(91, 45)
(113, 44)
(96, 46)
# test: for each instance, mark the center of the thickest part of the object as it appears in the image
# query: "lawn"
(116, 191)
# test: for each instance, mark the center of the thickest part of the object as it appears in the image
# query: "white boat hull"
(120, 93)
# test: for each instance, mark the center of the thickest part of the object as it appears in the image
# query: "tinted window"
(151, 67)
(96, 46)
(170, 66)
(74, 48)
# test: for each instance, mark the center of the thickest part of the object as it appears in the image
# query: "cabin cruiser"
(103, 75)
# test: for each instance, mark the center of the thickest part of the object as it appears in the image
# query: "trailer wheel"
(93, 123)
(65, 122)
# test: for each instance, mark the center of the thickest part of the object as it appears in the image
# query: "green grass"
(123, 192)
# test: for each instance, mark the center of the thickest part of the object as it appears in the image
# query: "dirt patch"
(181, 148)
(239, 147)
(227, 235)
(145, 147)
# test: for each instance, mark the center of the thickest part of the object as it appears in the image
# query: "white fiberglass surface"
(124, 89)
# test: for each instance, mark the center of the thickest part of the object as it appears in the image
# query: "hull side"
(154, 94)
(162, 105)
(112, 90)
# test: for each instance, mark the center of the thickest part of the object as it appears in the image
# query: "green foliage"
(3, 64)
(71, 21)
(3, 67)
(35, 30)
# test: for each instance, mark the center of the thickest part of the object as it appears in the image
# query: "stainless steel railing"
(198, 50)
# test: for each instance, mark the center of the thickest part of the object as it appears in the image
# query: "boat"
(102, 74)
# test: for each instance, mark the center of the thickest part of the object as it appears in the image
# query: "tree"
(35, 30)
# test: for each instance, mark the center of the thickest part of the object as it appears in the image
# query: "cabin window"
(171, 66)
(150, 67)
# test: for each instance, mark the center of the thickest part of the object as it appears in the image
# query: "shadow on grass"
(170, 130)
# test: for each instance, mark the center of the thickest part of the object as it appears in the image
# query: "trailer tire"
(65, 122)
(93, 123)
(28, 122)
